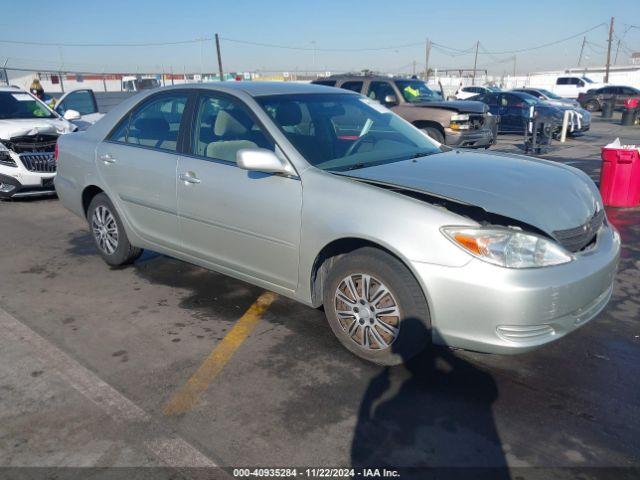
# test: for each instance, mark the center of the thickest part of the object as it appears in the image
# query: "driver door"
(244, 221)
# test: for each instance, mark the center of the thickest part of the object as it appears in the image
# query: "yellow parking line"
(187, 397)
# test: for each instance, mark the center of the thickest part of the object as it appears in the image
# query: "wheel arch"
(429, 124)
(342, 246)
(89, 192)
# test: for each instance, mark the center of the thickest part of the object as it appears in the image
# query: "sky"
(324, 29)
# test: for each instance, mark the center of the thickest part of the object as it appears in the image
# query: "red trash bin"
(631, 103)
(620, 177)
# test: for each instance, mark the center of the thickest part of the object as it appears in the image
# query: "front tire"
(108, 233)
(435, 134)
(376, 308)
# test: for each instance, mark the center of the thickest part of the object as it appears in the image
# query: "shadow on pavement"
(428, 416)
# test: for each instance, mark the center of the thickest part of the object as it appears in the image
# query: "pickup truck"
(455, 123)
(570, 86)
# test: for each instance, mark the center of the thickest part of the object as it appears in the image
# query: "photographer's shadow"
(434, 411)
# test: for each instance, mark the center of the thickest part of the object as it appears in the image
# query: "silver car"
(325, 196)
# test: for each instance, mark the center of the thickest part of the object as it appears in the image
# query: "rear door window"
(353, 86)
(156, 123)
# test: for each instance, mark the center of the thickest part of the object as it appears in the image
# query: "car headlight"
(5, 156)
(459, 121)
(508, 248)
(460, 117)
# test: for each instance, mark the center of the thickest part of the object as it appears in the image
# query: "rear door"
(138, 165)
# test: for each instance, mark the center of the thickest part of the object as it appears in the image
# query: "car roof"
(257, 89)
(10, 89)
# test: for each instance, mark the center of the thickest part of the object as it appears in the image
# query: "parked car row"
(455, 123)
(514, 109)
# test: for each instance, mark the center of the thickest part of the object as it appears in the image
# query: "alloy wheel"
(105, 229)
(367, 311)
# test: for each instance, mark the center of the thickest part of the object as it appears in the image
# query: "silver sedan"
(325, 196)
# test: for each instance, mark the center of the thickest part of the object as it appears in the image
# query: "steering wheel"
(368, 138)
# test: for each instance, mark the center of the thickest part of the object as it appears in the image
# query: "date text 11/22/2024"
(315, 473)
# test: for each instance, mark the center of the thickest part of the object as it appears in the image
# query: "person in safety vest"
(37, 91)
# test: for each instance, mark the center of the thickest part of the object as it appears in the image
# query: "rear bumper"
(27, 186)
(490, 309)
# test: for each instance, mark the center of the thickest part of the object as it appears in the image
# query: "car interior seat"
(232, 135)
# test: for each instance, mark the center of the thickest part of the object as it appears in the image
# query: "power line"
(441, 47)
(549, 44)
(316, 49)
(150, 44)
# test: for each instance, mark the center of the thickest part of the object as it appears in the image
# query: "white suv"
(570, 86)
(28, 133)
(471, 91)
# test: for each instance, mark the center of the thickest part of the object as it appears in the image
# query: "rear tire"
(435, 134)
(384, 328)
(108, 233)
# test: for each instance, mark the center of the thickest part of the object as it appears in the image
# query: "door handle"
(189, 177)
(107, 158)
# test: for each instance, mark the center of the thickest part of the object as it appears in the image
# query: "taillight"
(55, 153)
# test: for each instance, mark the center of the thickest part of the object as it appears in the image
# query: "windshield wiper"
(355, 166)
(421, 154)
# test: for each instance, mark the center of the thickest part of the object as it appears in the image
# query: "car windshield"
(416, 91)
(588, 80)
(22, 105)
(339, 132)
(494, 89)
(549, 94)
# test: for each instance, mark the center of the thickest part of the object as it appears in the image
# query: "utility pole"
(219, 58)
(514, 67)
(475, 63)
(584, 40)
(426, 60)
(413, 70)
(606, 73)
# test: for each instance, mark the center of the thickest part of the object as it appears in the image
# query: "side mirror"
(262, 160)
(390, 100)
(72, 115)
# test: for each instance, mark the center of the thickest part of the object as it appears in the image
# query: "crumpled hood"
(546, 195)
(463, 106)
(33, 126)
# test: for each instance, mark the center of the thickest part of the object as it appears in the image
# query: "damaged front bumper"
(30, 186)
(509, 311)
(482, 137)
(27, 166)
